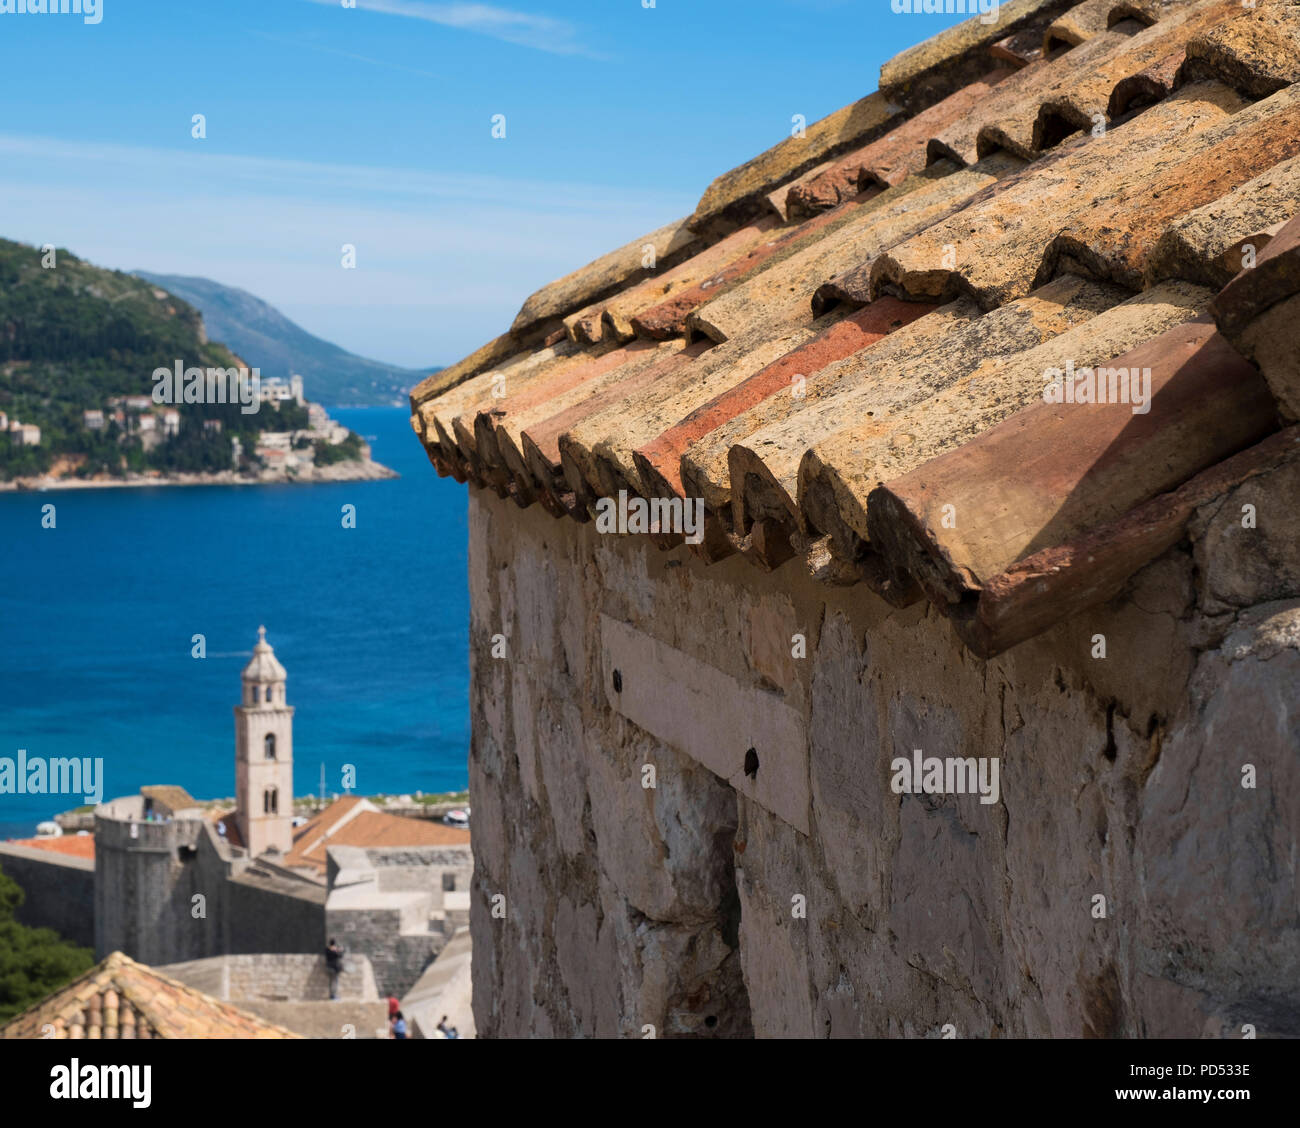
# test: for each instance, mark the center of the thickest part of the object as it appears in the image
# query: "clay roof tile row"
(119, 998)
(845, 348)
(341, 824)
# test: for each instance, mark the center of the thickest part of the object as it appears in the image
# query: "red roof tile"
(122, 999)
(343, 824)
(1069, 177)
(70, 845)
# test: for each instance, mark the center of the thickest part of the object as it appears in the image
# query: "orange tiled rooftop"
(866, 311)
(120, 998)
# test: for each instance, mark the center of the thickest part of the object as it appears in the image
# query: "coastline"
(432, 806)
(364, 470)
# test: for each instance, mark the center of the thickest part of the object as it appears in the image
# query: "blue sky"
(372, 126)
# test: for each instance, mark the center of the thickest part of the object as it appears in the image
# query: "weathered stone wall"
(293, 990)
(274, 916)
(392, 926)
(60, 891)
(286, 977)
(426, 869)
(809, 899)
(397, 954)
(145, 887)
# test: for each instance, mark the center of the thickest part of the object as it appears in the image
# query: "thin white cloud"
(343, 54)
(542, 33)
(444, 260)
(196, 164)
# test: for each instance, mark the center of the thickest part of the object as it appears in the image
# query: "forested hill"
(73, 336)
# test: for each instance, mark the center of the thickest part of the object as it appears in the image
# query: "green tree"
(34, 962)
(349, 450)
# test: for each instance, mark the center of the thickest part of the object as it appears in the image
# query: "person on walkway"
(399, 1025)
(334, 965)
(447, 1031)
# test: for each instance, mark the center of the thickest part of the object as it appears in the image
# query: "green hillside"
(74, 336)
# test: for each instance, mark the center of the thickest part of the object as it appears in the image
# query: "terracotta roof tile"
(1139, 69)
(69, 845)
(120, 998)
(542, 471)
(1019, 49)
(1119, 243)
(886, 384)
(1258, 52)
(669, 317)
(480, 392)
(1001, 242)
(596, 453)
(351, 821)
(377, 828)
(930, 71)
(1146, 12)
(1258, 311)
(784, 294)
(660, 459)
(595, 322)
(978, 400)
(920, 279)
(1208, 243)
(1041, 590)
(499, 433)
(1006, 117)
(888, 160)
(1078, 465)
(1077, 25)
(738, 194)
(511, 398)
(608, 274)
(437, 383)
(1076, 91)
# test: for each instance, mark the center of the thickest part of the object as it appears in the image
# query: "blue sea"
(371, 623)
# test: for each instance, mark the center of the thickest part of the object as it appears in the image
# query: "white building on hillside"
(25, 434)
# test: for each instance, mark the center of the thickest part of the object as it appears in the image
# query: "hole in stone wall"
(618, 682)
(751, 763)
(1111, 750)
(711, 1021)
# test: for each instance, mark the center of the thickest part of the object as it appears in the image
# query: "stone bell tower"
(264, 755)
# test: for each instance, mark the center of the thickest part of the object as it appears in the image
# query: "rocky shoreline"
(364, 470)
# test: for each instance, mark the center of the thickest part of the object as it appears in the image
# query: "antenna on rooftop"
(321, 805)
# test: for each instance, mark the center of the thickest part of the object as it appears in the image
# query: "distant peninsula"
(86, 398)
(279, 347)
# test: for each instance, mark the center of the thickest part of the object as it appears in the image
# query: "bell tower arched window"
(269, 745)
(271, 801)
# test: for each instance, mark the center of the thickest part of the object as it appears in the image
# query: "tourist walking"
(334, 965)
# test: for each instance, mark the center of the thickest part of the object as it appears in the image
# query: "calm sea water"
(96, 618)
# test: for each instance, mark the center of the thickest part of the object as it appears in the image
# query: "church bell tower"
(264, 755)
